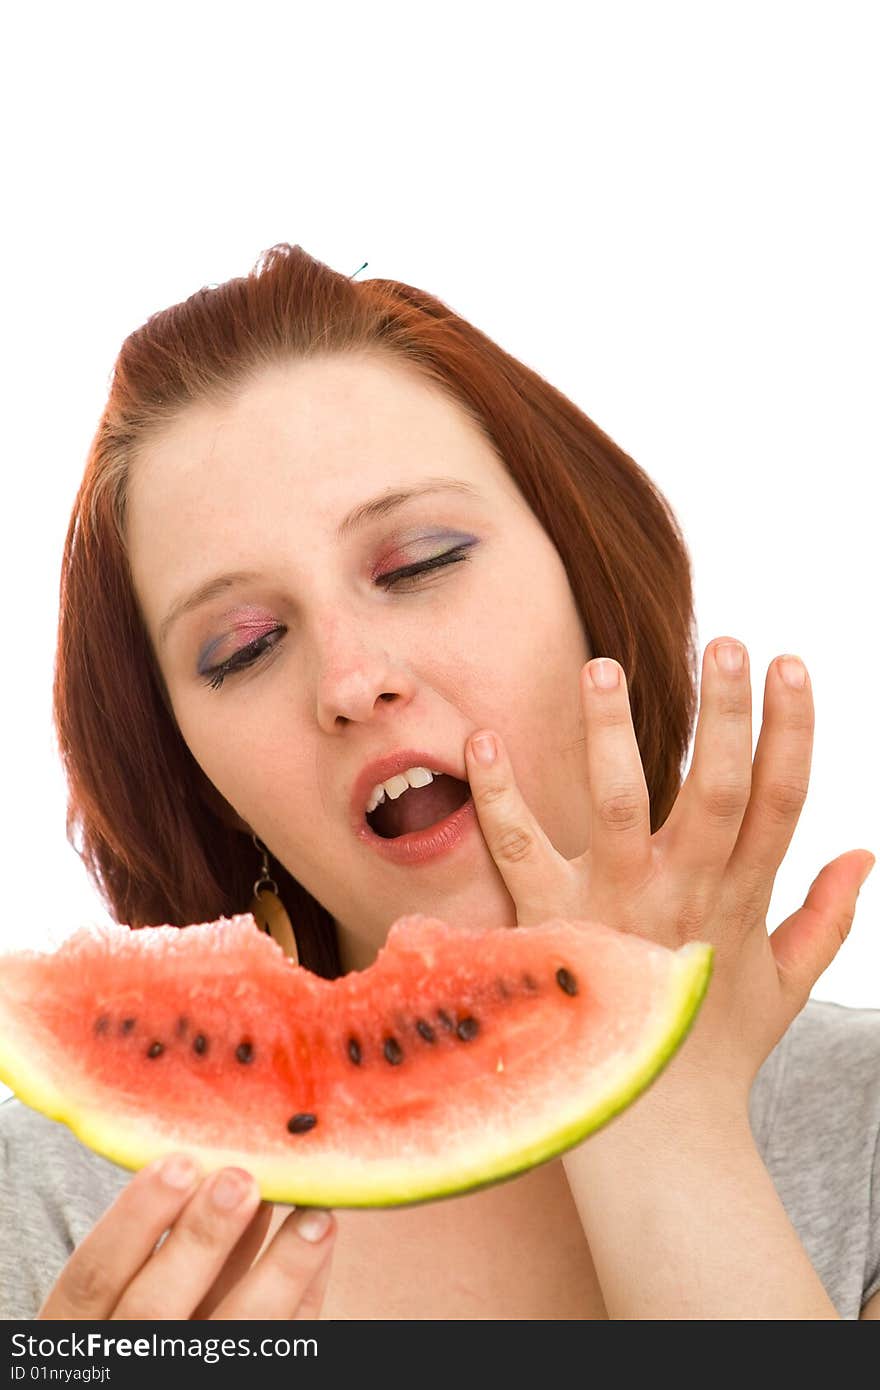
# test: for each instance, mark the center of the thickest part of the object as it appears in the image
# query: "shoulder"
(39, 1155)
(52, 1192)
(827, 1061)
(839, 1024)
(824, 1071)
(834, 1054)
(815, 1110)
(818, 1093)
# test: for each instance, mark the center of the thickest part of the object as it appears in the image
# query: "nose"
(355, 675)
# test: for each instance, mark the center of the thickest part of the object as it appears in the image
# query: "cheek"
(245, 761)
(528, 636)
(531, 688)
(515, 657)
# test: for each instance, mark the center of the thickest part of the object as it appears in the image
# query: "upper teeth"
(396, 786)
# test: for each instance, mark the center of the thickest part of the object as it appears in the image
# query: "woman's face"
(349, 668)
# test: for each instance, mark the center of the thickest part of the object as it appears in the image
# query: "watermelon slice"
(459, 1058)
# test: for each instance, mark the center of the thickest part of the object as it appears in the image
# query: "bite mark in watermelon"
(459, 1058)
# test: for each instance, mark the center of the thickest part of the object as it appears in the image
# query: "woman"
(324, 522)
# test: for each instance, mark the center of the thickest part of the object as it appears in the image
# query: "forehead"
(320, 424)
(302, 445)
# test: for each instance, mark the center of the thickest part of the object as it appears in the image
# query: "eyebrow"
(384, 504)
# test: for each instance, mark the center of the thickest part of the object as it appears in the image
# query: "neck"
(355, 951)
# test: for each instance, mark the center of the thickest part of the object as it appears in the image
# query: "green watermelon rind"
(695, 971)
(133, 1146)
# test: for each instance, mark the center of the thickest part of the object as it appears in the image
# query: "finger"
(701, 830)
(113, 1252)
(805, 944)
(620, 808)
(239, 1262)
(780, 779)
(199, 1243)
(534, 873)
(283, 1275)
(312, 1301)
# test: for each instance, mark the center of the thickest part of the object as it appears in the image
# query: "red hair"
(149, 830)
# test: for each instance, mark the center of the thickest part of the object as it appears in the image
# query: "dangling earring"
(269, 911)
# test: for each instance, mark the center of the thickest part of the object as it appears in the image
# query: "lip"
(418, 845)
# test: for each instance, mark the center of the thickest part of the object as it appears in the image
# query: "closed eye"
(449, 557)
(247, 656)
(244, 657)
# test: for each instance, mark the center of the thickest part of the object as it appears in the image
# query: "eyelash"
(215, 676)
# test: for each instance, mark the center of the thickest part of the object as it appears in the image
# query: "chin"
(476, 905)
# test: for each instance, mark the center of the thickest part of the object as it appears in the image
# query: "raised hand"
(708, 872)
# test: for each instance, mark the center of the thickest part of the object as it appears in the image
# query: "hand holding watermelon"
(205, 1268)
(708, 873)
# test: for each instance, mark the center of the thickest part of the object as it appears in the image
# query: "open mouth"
(419, 808)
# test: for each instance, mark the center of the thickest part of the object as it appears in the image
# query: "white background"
(668, 210)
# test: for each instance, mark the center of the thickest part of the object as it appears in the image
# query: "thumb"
(806, 943)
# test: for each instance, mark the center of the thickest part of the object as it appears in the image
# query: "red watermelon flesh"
(460, 1057)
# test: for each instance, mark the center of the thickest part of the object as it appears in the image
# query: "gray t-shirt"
(814, 1111)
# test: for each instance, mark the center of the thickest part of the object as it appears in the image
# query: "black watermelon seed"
(128, 1024)
(200, 1044)
(354, 1051)
(155, 1049)
(566, 981)
(182, 1025)
(468, 1028)
(245, 1052)
(446, 1020)
(426, 1030)
(299, 1124)
(102, 1024)
(530, 982)
(393, 1051)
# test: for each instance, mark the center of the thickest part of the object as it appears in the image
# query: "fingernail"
(179, 1171)
(484, 749)
(604, 673)
(729, 656)
(231, 1188)
(865, 874)
(313, 1223)
(793, 672)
